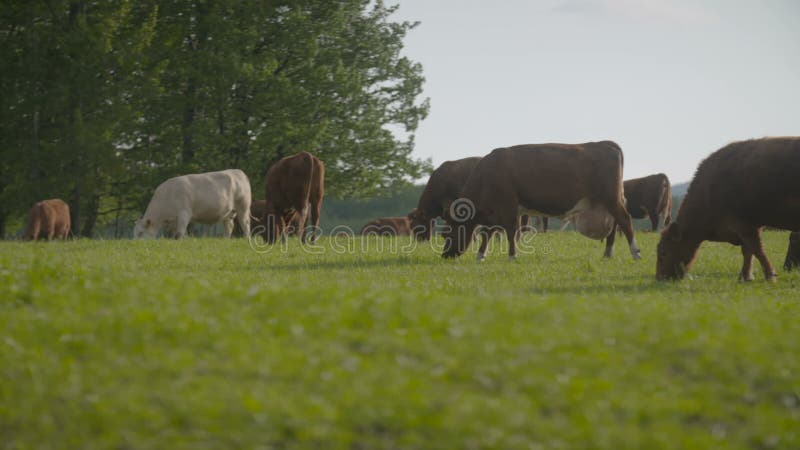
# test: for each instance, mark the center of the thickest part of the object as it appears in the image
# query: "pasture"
(206, 343)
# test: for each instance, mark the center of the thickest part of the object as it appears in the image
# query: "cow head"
(420, 225)
(273, 224)
(675, 254)
(144, 229)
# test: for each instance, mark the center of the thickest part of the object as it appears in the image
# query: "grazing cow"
(650, 196)
(388, 226)
(736, 191)
(256, 214)
(557, 180)
(444, 186)
(48, 219)
(206, 198)
(793, 253)
(295, 186)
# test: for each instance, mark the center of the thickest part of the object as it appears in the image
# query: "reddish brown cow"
(650, 196)
(736, 191)
(793, 253)
(48, 219)
(388, 226)
(546, 179)
(295, 185)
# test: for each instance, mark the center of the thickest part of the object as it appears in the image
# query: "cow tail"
(622, 200)
(307, 194)
(665, 203)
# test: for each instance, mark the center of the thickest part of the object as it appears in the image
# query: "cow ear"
(147, 222)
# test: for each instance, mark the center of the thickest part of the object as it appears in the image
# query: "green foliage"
(107, 99)
(208, 344)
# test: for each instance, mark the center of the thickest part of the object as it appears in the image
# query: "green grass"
(205, 343)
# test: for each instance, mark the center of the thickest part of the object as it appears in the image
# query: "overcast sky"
(669, 80)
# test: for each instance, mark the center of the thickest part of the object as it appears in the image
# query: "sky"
(669, 80)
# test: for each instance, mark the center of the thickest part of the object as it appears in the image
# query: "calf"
(388, 226)
(649, 196)
(48, 219)
(736, 191)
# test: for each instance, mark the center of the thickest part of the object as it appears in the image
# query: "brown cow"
(444, 186)
(793, 253)
(388, 226)
(735, 192)
(48, 219)
(295, 185)
(554, 180)
(257, 209)
(649, 196)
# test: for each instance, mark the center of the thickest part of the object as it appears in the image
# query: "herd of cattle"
(736, 191)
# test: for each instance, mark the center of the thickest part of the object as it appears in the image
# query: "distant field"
(206, 343)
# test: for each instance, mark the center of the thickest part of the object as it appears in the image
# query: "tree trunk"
(189, 114)
(75, 210)
(91, 216)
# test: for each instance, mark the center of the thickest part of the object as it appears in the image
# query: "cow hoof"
(608, 254)
(481, 257)
(746, 278)
(512, 258)
(773, 277)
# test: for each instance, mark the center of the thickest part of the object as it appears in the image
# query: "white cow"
(206, 198)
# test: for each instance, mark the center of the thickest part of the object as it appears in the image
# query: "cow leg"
(316, 205)
(512, 229)
(243, 219)
(623, 219)
(654, 220)
(228, 223)
(545, 221)
(610, 239)
(301, 226)
(485, 234)
(511, 225)
(751, 243)
(746, 273)
(181, 224)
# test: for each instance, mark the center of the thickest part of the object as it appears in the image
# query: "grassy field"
(206, 343)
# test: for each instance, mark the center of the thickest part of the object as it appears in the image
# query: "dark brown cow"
(546, 179)
(295, 185)
(48, 219)
(736, 191)
(793, 253)
(649, 196)
(388, 226)
(444, 186)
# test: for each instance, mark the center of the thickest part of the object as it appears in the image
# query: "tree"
(109, 98)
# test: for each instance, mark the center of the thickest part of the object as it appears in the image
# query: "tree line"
(102, 100)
